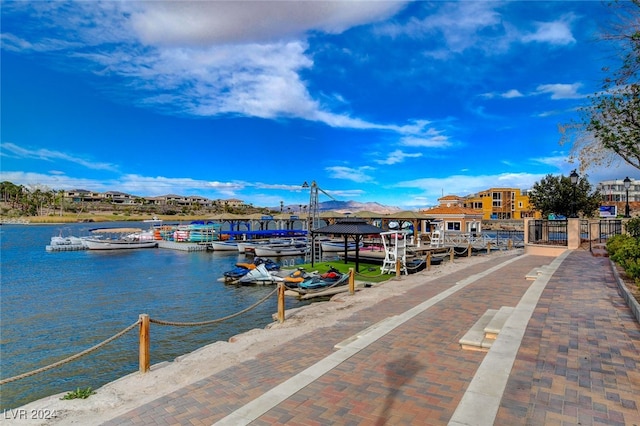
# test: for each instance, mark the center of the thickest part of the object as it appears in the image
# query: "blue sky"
(393, 102)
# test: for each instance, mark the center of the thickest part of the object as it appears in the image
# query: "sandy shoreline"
(120, 396)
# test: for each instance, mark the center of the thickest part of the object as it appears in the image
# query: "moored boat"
(281, 250)
(228, 245)
(155, 220)
(119, 239)
(337, 246)
(249, 246)
(65, 243)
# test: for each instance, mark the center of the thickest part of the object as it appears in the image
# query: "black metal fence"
(585, 231)
(548, 232)
(608, 228)
(600, 232)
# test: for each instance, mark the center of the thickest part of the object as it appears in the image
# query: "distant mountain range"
(351, 207)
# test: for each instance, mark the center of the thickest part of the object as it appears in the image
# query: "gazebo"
(346, 227)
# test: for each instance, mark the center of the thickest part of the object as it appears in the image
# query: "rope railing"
(209, 322)
(71, 358)
(144, 356)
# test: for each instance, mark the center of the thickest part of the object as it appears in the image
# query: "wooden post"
(429, 260)
(143, 355)
(352, 281)
(451, 254)
(469, 250)
(509, 244)
(398, 267)
(488, 248)
(281, 302)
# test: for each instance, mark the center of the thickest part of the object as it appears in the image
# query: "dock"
(322, 293)
(66, 247)
(189, 247)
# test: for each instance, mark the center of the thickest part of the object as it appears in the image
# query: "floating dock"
(66, 247)
(182, 246)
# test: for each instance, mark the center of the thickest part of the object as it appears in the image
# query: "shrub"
(633, 227)
(625, 251)
(615, 243)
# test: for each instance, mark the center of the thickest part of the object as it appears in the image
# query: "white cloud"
(350, 173)
(54, 181)
(560, 91)
(478, 25)
(397, 156)
(207, 58)
(459, 23)
(556, 32)
(427, 141)
(434, 188)
(243, 22)
(556, 90)
(15, 151)
(509, 94)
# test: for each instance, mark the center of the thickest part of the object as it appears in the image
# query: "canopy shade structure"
(346, 227)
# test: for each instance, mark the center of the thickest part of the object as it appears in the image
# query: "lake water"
(56, 304)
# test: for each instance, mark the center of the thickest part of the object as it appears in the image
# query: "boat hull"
(223, 246)
(268, 251)
(100, 244)
(337, 247)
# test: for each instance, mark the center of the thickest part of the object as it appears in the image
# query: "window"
(497, 199)
(453, 226)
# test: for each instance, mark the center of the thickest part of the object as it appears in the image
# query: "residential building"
(614, 193)
(614, 190)
(502, 204)
(83, 195)
(116, 197)
(453, 216)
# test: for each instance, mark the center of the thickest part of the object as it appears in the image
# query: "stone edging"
(626, 294)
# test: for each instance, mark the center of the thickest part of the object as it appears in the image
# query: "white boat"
(250, 245)
(65, 243)
(337, 246)
(119, 239)
(154, 220)
(281, 250)
(223, 245)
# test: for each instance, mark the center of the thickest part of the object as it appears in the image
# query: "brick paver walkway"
(578, 362)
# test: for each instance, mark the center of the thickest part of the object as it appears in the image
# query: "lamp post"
(574, 181)
(627, 184)
(305, 185)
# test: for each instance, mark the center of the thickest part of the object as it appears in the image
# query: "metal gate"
(608, 228)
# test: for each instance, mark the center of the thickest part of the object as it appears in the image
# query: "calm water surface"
(56, 304)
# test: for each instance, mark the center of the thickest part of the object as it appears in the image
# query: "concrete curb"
(632, 303)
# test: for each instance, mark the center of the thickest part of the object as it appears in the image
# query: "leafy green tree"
(609, 127)
(557, 195)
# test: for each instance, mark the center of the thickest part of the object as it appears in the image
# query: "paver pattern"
(578, 362)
